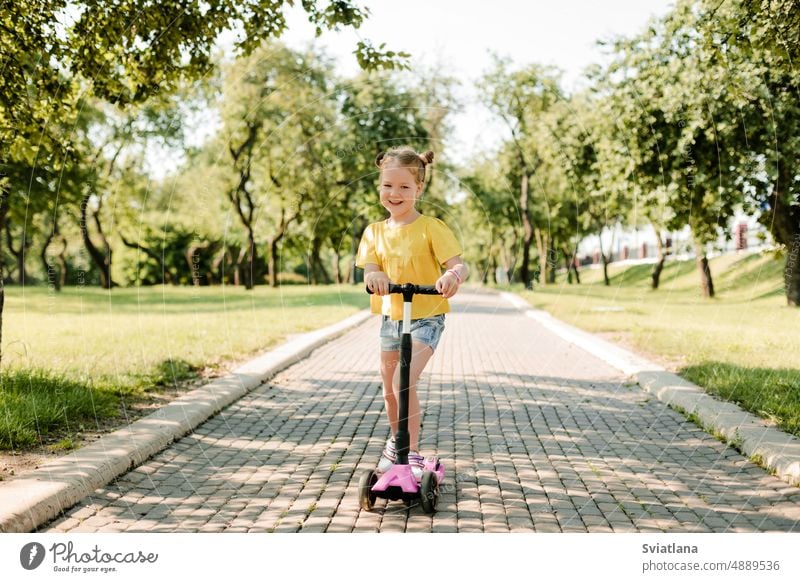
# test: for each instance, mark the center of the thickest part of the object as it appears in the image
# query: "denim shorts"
(427, 330)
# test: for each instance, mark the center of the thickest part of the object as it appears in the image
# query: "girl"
(407, 247)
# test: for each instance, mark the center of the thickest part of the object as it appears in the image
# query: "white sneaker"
(388, 457)
(417, 463)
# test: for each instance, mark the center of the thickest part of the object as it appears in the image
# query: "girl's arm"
(457, 273)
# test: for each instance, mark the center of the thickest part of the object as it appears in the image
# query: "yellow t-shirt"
(410, 253)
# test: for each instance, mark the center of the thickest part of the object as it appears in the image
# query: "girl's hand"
(378, 282)
(447, 285)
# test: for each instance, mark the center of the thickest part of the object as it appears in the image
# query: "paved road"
(536, 434)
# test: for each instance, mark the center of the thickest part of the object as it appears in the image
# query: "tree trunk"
(706, 282)
(238, 269)
(273, 262)
(359, 227)
(62, 264)
(569, 261)
(657, 269)
(325, 276)
(507, 257)
(783, 223)
(569, 270)
(662, 257)
(19, 255)
(316, 270)
(4, 193)
(276, 238)
(604, 259)
(245, 267)
(527, 229)
(53, 281)
(219, 263)
(791, 273)
(244, 205)
(102, 261)
(337, 274)
(656, 275)
(511, 264)
(574, 263)
(610, 257)
(193, 260)
(251, 263)
(311, 264)
(541, 248)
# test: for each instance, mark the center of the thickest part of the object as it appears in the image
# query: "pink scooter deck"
(403, 477)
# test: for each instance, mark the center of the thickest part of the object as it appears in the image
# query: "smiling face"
(399, 192)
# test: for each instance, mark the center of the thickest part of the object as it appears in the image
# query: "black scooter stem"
(402, 437)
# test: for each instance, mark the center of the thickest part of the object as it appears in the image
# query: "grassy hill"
(741, 346)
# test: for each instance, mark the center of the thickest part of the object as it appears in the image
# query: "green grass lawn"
(742, 345)
(75, 358)
(91, 347)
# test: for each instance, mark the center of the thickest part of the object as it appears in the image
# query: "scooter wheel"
(366, 498)
(428, 491)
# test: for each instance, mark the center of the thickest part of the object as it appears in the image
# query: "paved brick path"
(536, 435)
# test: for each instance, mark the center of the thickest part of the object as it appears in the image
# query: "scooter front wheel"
(428, 491)
(366, 497)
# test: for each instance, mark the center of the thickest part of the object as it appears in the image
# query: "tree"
(520, 98)
(680, 91)
(637, 131)
(278, 117)
(54, 51)
(593, 197)
(492, 217)
(755, 43)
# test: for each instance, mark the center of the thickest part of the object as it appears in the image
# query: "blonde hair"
(406, 157)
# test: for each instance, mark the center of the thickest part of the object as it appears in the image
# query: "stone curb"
(30, 501)
(778, 451)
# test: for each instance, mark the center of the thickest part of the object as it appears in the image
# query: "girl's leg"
(389, 361)
(420, 355)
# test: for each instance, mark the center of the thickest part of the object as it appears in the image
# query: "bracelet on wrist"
(458, 277)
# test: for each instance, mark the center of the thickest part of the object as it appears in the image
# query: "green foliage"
(755, 45)
(678, 125)
(694, 118)
(162, 256)
(60, 147)
(156, 45)
(522, 98)
(491, 215)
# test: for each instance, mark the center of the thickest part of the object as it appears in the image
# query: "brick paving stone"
(535, 434)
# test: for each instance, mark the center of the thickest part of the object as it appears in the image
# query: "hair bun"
(379, 158)
(427, 157)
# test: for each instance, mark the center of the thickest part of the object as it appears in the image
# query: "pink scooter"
(399, 481)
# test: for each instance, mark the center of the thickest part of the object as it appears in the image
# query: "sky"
(458, 37)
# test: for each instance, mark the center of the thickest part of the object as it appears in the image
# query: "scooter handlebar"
(410, 288)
